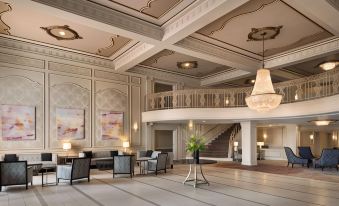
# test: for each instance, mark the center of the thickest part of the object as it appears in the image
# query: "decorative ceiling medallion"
(62, 32)
(4, 7)
(187, 65)
(265, 33)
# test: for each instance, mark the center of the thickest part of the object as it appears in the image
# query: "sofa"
(36, 158)
(154, 155)
(98, 155)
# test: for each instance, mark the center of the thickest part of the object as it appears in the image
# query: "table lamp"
(125, 145)
(260, 144)
(236, 144)
(66, 146)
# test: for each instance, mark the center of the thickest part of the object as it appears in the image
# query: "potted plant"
(195, 144)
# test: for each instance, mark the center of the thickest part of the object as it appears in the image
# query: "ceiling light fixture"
(328, 65)
(62, 33)
(187, 65)
(323, 122)
(263, 97)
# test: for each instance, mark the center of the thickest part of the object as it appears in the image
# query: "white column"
(249, 143)
(291, 137)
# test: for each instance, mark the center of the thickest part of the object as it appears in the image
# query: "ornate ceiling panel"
(167, 60)
(231, 31)
(154, 11)
(30, 24)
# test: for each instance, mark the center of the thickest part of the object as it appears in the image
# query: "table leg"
(203, 176)
(42, 178)
(189, 174)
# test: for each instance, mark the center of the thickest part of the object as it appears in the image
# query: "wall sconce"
(125, 145)
(227, 101)
(296, 97)
(135, 126)
(334, 136)
(265, 136)
(190, 124)
(312, 137)
(235, 144)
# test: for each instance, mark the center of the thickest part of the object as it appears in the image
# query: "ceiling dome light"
(263, 97)
(323, 122)
(187, 65)
(62, 33)
(328, 65)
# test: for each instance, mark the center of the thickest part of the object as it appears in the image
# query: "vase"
(196, 156)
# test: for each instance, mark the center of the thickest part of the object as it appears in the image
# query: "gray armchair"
(294, 159)
(158, 164)
(79, 169)
(15, 173)
(123, 164)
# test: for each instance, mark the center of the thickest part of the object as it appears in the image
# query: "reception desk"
(273, 154)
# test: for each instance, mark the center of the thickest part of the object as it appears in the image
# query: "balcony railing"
(317, 86)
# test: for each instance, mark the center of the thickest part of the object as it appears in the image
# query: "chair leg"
(0, 188)
(337, 168)
(292, 165)
(156, 172)
(322, 168)
(288, 164)
(165, 170)
(26, 185)
(308, 165)
(88, 179)
(71, 182)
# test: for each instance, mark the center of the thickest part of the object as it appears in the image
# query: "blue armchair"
(293, 159)
(306, 153)
(328, 158)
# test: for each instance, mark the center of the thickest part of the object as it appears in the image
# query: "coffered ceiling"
(231, 31)
(31, 24)
(156, 34)
(167, 60)
(154, 11)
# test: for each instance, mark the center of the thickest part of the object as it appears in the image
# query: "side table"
(46, 171)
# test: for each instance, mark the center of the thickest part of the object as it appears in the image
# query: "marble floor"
(227, 187)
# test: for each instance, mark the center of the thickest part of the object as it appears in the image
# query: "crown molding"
(107, 16)
(19, 45)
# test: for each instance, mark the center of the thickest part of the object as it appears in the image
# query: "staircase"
(218, 148)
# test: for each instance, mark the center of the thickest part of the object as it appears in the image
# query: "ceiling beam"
(314, 51)
(204, 13)
(323, 12)
(99, 17)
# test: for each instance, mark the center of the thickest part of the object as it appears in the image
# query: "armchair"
(79, 169)
(15, 173)
(293, 159)
(158, 164)
(328, 158)
(306, 153)
(123, 164)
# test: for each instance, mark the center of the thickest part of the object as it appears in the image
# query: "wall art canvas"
(18, 122)
(112, 125)
(70, 124)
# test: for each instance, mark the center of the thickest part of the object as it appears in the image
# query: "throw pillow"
(88, 154)
(46, 156)
(149, 153)
(114, 153)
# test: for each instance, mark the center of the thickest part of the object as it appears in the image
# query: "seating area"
(169, 102)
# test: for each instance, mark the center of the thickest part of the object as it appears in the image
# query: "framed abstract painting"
(70, 124)
(18, 122)
(112, 125)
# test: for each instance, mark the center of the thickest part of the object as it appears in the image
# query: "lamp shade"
(236, 144)
(125, 144)
(263, 97)
(66, 146)
(260, 144)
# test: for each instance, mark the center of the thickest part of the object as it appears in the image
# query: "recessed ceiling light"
(204, 121)
(253, 81)
(322, 122)
(62, 33)
(187, 65)
(328, 65)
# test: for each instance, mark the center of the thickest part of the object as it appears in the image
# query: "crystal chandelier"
(263, 97)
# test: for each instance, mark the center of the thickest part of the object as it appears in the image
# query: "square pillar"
(249, 143)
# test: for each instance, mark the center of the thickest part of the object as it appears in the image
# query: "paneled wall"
(48, 78)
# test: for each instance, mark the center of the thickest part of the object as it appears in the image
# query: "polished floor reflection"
(227, 187)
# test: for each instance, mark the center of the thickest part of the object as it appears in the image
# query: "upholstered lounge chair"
(15, 173)
(158, 164)
(293, 159)
(306, 153)
(328, 158)
(123, 164)
(79, 169)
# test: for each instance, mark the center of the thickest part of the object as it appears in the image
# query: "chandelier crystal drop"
(263, 97)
